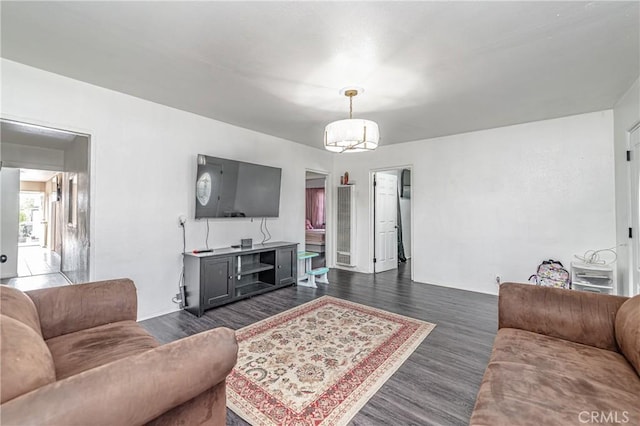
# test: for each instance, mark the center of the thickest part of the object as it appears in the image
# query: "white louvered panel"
(346, 226)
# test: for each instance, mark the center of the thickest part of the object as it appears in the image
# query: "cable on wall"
(264, 236)
(264, 229)
(593, 256)
(179, 298)
(184, 240)
(206, 241)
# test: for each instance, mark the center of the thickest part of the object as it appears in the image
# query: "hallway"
(36, 260)
(38, 267)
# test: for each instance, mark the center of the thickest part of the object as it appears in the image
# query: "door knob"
(3, 258)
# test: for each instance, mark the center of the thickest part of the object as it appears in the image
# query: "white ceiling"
(428, 68)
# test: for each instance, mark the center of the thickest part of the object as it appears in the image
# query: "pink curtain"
(315, 207)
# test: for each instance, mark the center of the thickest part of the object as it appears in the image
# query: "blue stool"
(321, 273)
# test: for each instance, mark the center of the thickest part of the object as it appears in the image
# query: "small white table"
(304, 280)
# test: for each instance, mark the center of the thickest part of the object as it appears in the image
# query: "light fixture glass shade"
(351, 135)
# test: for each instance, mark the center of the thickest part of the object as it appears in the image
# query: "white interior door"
(386, 222)
(9, 208)
(635, 212)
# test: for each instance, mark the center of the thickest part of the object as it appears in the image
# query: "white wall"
(143, 175)
(76, 155)
(498, 201)
(626, 115)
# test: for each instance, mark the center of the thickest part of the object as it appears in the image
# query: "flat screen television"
(229, 188)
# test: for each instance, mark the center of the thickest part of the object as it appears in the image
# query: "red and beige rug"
(319, 363)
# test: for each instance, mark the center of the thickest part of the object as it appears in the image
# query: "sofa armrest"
(71, 308)
(133, 390)
(578, 316)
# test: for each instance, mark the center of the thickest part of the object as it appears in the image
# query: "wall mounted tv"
(230, 188)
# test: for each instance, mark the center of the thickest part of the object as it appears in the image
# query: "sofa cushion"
(536, 379)
(19, 306)
(523, 395)
(76, 352)
(565, 357)
(628, 331)
(26, 361)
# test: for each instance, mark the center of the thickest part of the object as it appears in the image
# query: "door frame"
(328, 215)
(372, 207)
(90, 135)
(382, 263)
(632, 284)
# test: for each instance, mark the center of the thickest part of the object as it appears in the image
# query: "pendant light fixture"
(352, 134)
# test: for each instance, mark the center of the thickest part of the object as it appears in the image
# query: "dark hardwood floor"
(437, 385)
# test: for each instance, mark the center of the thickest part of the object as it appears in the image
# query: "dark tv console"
(229, 274)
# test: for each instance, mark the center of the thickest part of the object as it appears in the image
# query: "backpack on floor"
(551, 273)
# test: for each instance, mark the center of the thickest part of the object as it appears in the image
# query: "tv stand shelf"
(257, 267)
(229, 274)
(251, 287)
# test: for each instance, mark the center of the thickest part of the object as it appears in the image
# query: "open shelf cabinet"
(592, 277)
(229, 274)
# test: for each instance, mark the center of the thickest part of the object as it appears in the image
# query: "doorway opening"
(392, 219)
(44, 178)
(30, 226)
(316, 217)
(36, 223)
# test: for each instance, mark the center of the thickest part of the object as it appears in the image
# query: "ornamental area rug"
(319, 363)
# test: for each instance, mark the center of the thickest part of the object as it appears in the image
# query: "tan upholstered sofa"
(75, 355)
(562, 357)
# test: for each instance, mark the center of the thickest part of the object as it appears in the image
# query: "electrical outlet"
(182, 219)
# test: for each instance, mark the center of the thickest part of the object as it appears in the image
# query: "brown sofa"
(562, 357)
(75, 355)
